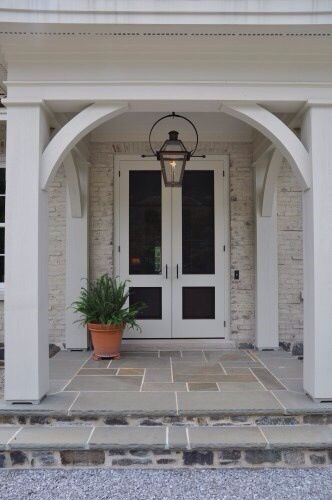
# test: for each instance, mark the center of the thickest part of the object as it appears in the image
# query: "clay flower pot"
(106, 340)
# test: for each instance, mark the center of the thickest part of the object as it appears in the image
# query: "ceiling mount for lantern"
(173, 154)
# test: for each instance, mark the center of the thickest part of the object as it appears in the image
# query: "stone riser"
(166, 459)
(202, 420)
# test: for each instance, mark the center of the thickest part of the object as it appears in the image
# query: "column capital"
(19, 101)
(319, 103)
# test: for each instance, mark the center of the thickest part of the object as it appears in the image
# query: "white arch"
(282, 137)
(270, 183)
(73, 186)
(71, 133)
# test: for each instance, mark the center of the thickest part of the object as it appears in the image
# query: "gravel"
(237, 484)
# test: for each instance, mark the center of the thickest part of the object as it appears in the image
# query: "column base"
(25, 401)
(319, 400)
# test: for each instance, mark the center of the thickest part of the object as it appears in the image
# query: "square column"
(76, 256)
(26, 268)
(317, 253)
(267, 334)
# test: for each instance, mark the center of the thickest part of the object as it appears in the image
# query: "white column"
(76, 252)
(26, 271)
(317, 253)
(267, 335)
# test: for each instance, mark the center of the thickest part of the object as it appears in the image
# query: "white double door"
(171, 248)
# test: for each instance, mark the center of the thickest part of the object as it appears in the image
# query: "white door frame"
(224, 165)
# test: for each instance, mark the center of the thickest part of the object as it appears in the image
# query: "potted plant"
(102, 306)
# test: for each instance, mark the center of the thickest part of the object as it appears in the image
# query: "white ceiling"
(135, 126)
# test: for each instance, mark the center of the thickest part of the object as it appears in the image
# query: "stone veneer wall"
(242, 238)
(290, 256)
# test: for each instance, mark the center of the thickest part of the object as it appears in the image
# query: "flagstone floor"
(176, 383)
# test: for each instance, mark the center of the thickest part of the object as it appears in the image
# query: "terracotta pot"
(106, 340)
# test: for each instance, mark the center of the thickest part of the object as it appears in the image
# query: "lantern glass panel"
(172, 166)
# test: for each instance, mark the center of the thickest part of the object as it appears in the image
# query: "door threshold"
(177, 344)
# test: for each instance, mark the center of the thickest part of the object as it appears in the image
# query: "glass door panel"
(198, 222)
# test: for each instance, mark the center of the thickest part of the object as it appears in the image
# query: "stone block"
(316, 459)
(229, 454)
(260, 456)
(198, 457)
(43, 458)
(297, 349)
(127, 462)
(82, 457)
(294, 457)
(18, 457)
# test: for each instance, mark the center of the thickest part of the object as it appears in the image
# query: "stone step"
(172, 445)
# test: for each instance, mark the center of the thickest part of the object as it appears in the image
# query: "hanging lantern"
(173, 154)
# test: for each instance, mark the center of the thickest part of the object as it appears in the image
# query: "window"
(2, 222)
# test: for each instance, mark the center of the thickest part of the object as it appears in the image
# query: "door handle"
(177, 271)
(166, 271)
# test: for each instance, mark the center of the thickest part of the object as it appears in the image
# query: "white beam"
(76, 258)
(26, 304)
(267, 335)
(317, 252)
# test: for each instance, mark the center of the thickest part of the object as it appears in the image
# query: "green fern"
(104, 300)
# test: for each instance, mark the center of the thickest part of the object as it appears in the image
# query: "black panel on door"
(144, 222)
(198, 222)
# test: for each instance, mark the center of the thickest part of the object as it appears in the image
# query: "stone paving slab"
(240, 386)
(185, 368)
(7, 433)
(193, 355)
(97, 371)
(128, 437)
(225, 437)
(293, 384)
(131, 371)
(272, 354)
(201, 386)
(227, 356)
(318, 436)
(139, 354)
(125, 403)
(214, 378)
(170, 354)
(294, 402)
(164, 386)
(205, 403)
(158, 375)
(104, 383)
(74, 355)
(268, 380)
(177, 437)
(101, 363)
(51, 437)
(140, 362)
(58, 404)
(57, 385)
(287, 371)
